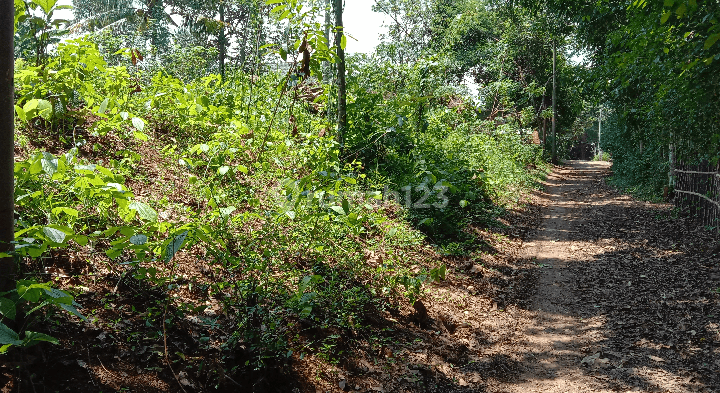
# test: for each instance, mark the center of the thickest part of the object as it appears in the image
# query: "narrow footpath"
(627, 298)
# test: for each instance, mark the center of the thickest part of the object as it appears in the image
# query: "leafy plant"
(27, 298)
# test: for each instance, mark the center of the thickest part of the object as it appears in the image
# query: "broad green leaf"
(54, 235)
(81, 240)
(44, 108)
(665, 17)
(426, 221)
(32, 338)
(104, 171)
(49, 163)
(103, 106)
(8, 336)
(243, 169)
(138, 240)
(711, 40)
(138, 123)
(680, 11)
(19, 13)
(20, 113)
(35, 252)
(226, 211)
(337, 209)
(59, 296)
(305, 312)
(46, 5)
(64, 229)
(31, 105)
(141, 136)
(67, 210)
(31, 293)
(223, 170)
(7, 308)
(145, 212)
(72, 310)
(36, 167)
(174, 246)
(114, 186)
(88, 168)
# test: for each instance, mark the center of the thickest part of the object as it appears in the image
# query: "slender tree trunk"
(554, 102)
(7, 142)
(342, 94)
(671, 160)
(328, 25)
(221, 41)
(600, 133)
(243, 46)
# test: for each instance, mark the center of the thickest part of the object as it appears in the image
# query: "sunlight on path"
(557, 341)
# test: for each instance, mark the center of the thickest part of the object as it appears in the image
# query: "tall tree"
(554, 103)
(221, 40)
(342, 88)
(7, 141)
(328, 24)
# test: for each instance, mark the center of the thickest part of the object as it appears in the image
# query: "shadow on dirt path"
(609, 277)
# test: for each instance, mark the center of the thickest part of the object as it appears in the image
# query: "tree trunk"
(243, 46)
(554, 99)
(7, 143)
(328, 26)
(221, 41)
(671, 160)
(600, 133)
(342, 94)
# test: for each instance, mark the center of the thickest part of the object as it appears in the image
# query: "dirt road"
(626, 299)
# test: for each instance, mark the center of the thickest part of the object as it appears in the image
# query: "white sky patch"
(64, 14)
(364, 25)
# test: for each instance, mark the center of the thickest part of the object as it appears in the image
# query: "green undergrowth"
(289, 242)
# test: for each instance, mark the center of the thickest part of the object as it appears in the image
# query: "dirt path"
(598, 263)
(555, 337)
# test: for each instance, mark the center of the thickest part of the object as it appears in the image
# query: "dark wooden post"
(7, 142)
